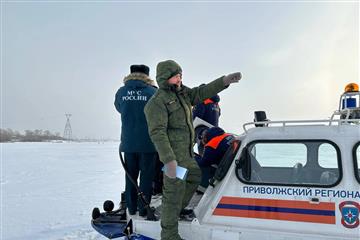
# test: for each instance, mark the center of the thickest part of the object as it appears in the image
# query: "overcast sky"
(64, 57)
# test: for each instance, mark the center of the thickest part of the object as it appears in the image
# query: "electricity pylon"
(67, 130)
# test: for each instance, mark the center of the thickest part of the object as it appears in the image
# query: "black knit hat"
(140, 69)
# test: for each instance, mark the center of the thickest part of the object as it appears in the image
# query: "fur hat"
(140, 69)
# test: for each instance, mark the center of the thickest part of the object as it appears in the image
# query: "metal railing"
(325, 122)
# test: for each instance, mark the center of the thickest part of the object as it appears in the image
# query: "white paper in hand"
(181, 172)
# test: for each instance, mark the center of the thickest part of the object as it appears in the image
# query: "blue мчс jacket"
(217, 145)
(208, 110)
(130, 101)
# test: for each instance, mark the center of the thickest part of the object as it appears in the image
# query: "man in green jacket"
(169, 117)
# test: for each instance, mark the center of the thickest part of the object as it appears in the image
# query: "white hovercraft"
(279, 180)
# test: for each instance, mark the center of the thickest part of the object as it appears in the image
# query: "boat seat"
(328, 178)
(297, 173)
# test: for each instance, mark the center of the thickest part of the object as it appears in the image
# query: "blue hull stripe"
(277, 209)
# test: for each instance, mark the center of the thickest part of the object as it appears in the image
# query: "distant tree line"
(9, 135)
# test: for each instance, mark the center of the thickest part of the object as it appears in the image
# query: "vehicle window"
(279, 154)
(327, 156)
(304, 163)
(357, 161)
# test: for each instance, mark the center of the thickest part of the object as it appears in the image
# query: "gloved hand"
(232, 78)
(170, 169)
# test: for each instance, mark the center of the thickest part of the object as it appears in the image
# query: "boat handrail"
(326, 122)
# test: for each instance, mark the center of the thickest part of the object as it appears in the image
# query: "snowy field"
(50, 189)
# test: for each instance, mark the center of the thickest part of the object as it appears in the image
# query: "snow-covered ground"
(50, 189)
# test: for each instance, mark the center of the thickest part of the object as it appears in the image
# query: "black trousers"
(142, 164)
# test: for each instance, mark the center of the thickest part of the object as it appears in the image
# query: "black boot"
(187, 214)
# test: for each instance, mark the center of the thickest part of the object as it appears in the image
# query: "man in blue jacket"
(216, 143)
(139, 151)
(209, 111)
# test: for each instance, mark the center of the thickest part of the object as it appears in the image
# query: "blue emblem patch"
(350, 214)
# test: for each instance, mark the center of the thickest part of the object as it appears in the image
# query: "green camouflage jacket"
(169, 115)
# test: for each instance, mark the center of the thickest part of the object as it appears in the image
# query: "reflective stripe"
(208, 101)
(276, 209)
(214, 143)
